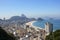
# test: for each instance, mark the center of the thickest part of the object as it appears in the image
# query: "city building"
(48, 27)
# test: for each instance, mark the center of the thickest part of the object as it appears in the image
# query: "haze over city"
(31, 8)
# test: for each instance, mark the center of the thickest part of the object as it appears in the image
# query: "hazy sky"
(31, 8)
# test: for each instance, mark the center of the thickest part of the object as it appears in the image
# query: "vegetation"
(54, 36)
(5, 36)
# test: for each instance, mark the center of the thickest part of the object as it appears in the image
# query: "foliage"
(54, 36)
(5, 36)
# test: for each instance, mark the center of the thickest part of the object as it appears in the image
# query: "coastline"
(31, 25)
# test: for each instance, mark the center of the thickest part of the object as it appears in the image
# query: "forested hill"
(54, 36)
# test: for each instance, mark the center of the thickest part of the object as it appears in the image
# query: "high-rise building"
(48, 27)
(4, 19)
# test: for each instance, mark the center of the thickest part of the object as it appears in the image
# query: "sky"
(31, 8)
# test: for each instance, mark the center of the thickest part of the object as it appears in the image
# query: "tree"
(5, 36)
(54, 36)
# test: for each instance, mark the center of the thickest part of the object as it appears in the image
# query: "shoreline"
(31, 25)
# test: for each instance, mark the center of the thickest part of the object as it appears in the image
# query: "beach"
(31, 25)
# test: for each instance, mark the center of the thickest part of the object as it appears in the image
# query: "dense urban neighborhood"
(22, 29)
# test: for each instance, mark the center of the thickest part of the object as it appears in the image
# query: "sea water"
(41, 24)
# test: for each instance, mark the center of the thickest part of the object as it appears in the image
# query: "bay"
(41, 24)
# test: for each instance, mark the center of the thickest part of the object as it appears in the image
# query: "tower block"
(48, 27)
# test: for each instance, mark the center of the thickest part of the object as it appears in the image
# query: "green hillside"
(54, 36)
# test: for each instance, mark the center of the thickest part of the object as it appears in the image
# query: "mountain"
(40, 19)
(48, 18)
(14, 18)
(17, 19)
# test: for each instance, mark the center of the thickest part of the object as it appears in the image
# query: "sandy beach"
(31, 25)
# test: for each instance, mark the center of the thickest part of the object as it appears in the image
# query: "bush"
(5, 36)
(54, 36)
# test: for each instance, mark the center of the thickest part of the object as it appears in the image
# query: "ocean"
(41, 24)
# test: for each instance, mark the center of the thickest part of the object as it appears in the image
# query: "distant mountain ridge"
(22, 19)
(17, 19)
